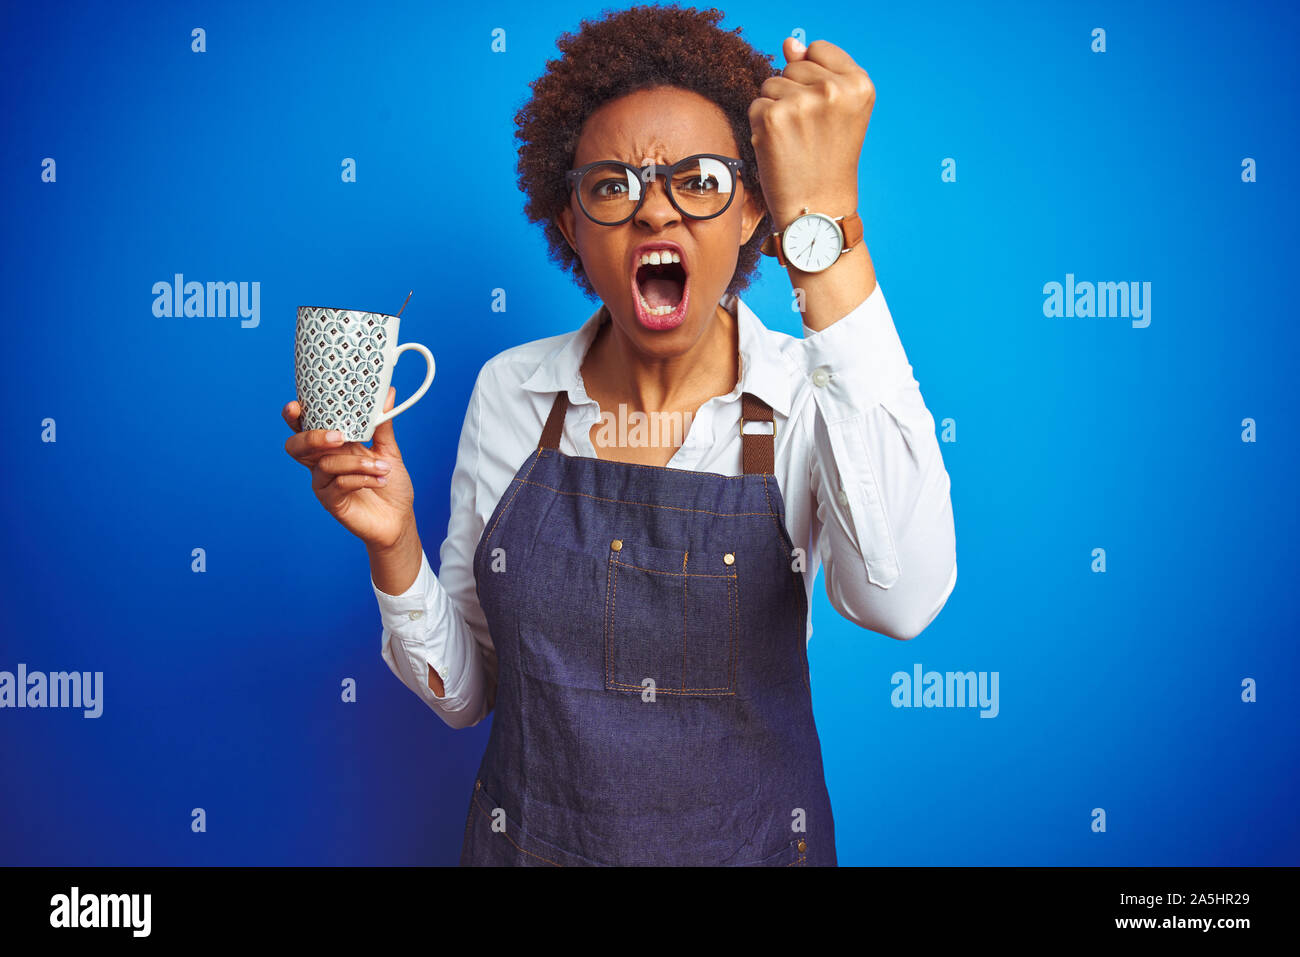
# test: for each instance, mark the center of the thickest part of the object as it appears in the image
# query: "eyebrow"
(647, 162)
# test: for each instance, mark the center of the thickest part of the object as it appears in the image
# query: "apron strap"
(555, 422)
(757, 450)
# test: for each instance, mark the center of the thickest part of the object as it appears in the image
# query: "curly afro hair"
(625, 51)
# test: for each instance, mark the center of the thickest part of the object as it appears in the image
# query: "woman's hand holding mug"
(371, 500)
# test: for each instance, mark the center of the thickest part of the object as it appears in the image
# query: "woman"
(635, 611)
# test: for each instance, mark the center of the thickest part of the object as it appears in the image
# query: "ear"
(753, 212)
(564, 220)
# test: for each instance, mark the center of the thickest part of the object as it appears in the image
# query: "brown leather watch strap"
(852, 226)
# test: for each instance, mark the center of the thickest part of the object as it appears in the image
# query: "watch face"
(812, 242)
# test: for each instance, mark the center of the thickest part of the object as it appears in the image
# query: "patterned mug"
(343, 365)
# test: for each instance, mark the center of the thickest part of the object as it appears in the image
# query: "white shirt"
(865, 489)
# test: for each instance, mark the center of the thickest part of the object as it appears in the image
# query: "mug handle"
(424, 386)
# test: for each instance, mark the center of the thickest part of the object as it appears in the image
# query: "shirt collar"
(762, 370)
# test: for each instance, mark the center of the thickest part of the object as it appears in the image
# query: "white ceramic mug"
(343, 365)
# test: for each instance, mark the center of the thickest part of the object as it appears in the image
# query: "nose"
(656, 209)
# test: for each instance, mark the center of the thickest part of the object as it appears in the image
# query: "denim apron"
(653, 701)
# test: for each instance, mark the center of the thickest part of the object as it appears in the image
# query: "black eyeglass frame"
(573, 178)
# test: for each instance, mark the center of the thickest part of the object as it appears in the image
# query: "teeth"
(656, 310)
(660, 257)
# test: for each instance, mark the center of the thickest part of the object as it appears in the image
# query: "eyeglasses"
(700, 187)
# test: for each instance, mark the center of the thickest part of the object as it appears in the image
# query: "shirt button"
(842, 496)
(415, 614)
(820, 376)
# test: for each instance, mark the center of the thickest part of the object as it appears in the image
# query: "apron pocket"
(671, 621)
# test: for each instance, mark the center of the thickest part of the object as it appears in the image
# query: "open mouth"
(661, 289)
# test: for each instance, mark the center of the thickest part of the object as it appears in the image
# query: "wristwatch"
(814, 241)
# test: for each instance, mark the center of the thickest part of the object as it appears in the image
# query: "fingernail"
(333, 436)
(798, 47)
(381, 464)
(382, 480)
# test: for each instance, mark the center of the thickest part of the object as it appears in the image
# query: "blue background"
(222, 690)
